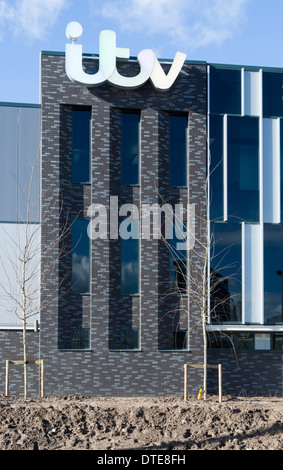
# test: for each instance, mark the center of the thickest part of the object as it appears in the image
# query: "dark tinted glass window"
(129, 339)
(236, 341)
(273, 273)
(130, 263)
(130, 123)
(80, 339)
(81, 121)
(80, 257)
(278, 342)
(178, 150)
(243, 168)
(216, 167)
(225, 91)
(178, 340)
(272, 94)
(226, 273)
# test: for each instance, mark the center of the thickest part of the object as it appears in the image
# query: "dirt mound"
(79, 423)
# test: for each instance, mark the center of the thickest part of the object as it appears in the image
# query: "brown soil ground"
(79, 423)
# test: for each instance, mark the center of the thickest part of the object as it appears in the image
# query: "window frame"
(184, 340)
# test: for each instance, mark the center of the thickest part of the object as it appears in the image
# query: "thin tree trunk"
(24, 319)
(204, 320)
(25, 361)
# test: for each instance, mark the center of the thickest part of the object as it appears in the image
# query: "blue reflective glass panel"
(178, 150)
(225, 91)
(81, 125)
(226, 273)
(243, 169)
(281, 167)
(130, 124)
(80, 257)
(273, 273)
(130, 263)
(272, 94)
(216, 167)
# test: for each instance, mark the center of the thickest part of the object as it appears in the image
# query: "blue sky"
(247, 32)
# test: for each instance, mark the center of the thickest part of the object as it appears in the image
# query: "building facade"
(118, 327)
(121, 315)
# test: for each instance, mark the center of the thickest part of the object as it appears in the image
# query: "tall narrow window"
(130, 132)
(243, 169)
(81, 125)
(178, 150)
(80, 257)
(216, 167)
(130, 261)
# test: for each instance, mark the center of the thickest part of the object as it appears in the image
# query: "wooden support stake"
(7, 378)
(42, 378)
(220, 382)
(40, 362)
(198, 366)
(186, 381)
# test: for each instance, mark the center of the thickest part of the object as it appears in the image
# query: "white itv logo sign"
(108, 54)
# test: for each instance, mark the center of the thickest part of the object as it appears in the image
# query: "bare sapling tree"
(204, 284)
(21, 264)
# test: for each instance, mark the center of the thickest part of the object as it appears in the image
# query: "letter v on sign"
(108, 55)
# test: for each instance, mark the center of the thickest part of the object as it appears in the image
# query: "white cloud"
(199, 23)
(30, 18)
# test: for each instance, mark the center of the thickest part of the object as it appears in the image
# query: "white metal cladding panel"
(252, 273)
(12, 243)
(271, 171)
(19, 153)
(252, 93)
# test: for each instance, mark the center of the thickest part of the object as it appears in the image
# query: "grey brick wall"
(11, 347)
(105, 370)
(247, 373)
